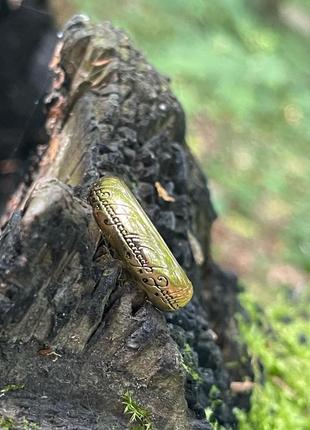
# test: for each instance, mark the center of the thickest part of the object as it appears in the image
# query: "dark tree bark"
(77, 333)
(24, 78)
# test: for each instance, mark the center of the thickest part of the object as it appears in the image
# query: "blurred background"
(241, 71)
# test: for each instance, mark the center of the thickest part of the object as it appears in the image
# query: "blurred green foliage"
(241, 70)
(250, 77)
(278, 338)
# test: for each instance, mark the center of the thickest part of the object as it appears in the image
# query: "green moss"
(188, 363)
(7, 423)
(11, 387)
(195, 375)
(209, 416)
(29, 425)
(214, 392)
(139, 417)
(278, 339)
(214, 402)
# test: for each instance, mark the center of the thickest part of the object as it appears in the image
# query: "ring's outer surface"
(128, 229)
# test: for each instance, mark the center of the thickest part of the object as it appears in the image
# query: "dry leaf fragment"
(56, 56)
(48, 352)
(101, 62)
(196, 249)
(239, 387)
(213, 335)
(162, 193)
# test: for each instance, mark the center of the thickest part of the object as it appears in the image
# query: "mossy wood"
(76, 332)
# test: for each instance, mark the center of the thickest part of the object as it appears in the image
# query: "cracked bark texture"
(76, 332)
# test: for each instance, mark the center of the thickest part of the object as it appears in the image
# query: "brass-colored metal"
(128, 229)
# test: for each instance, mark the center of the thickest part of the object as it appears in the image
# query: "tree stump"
(79, 341)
